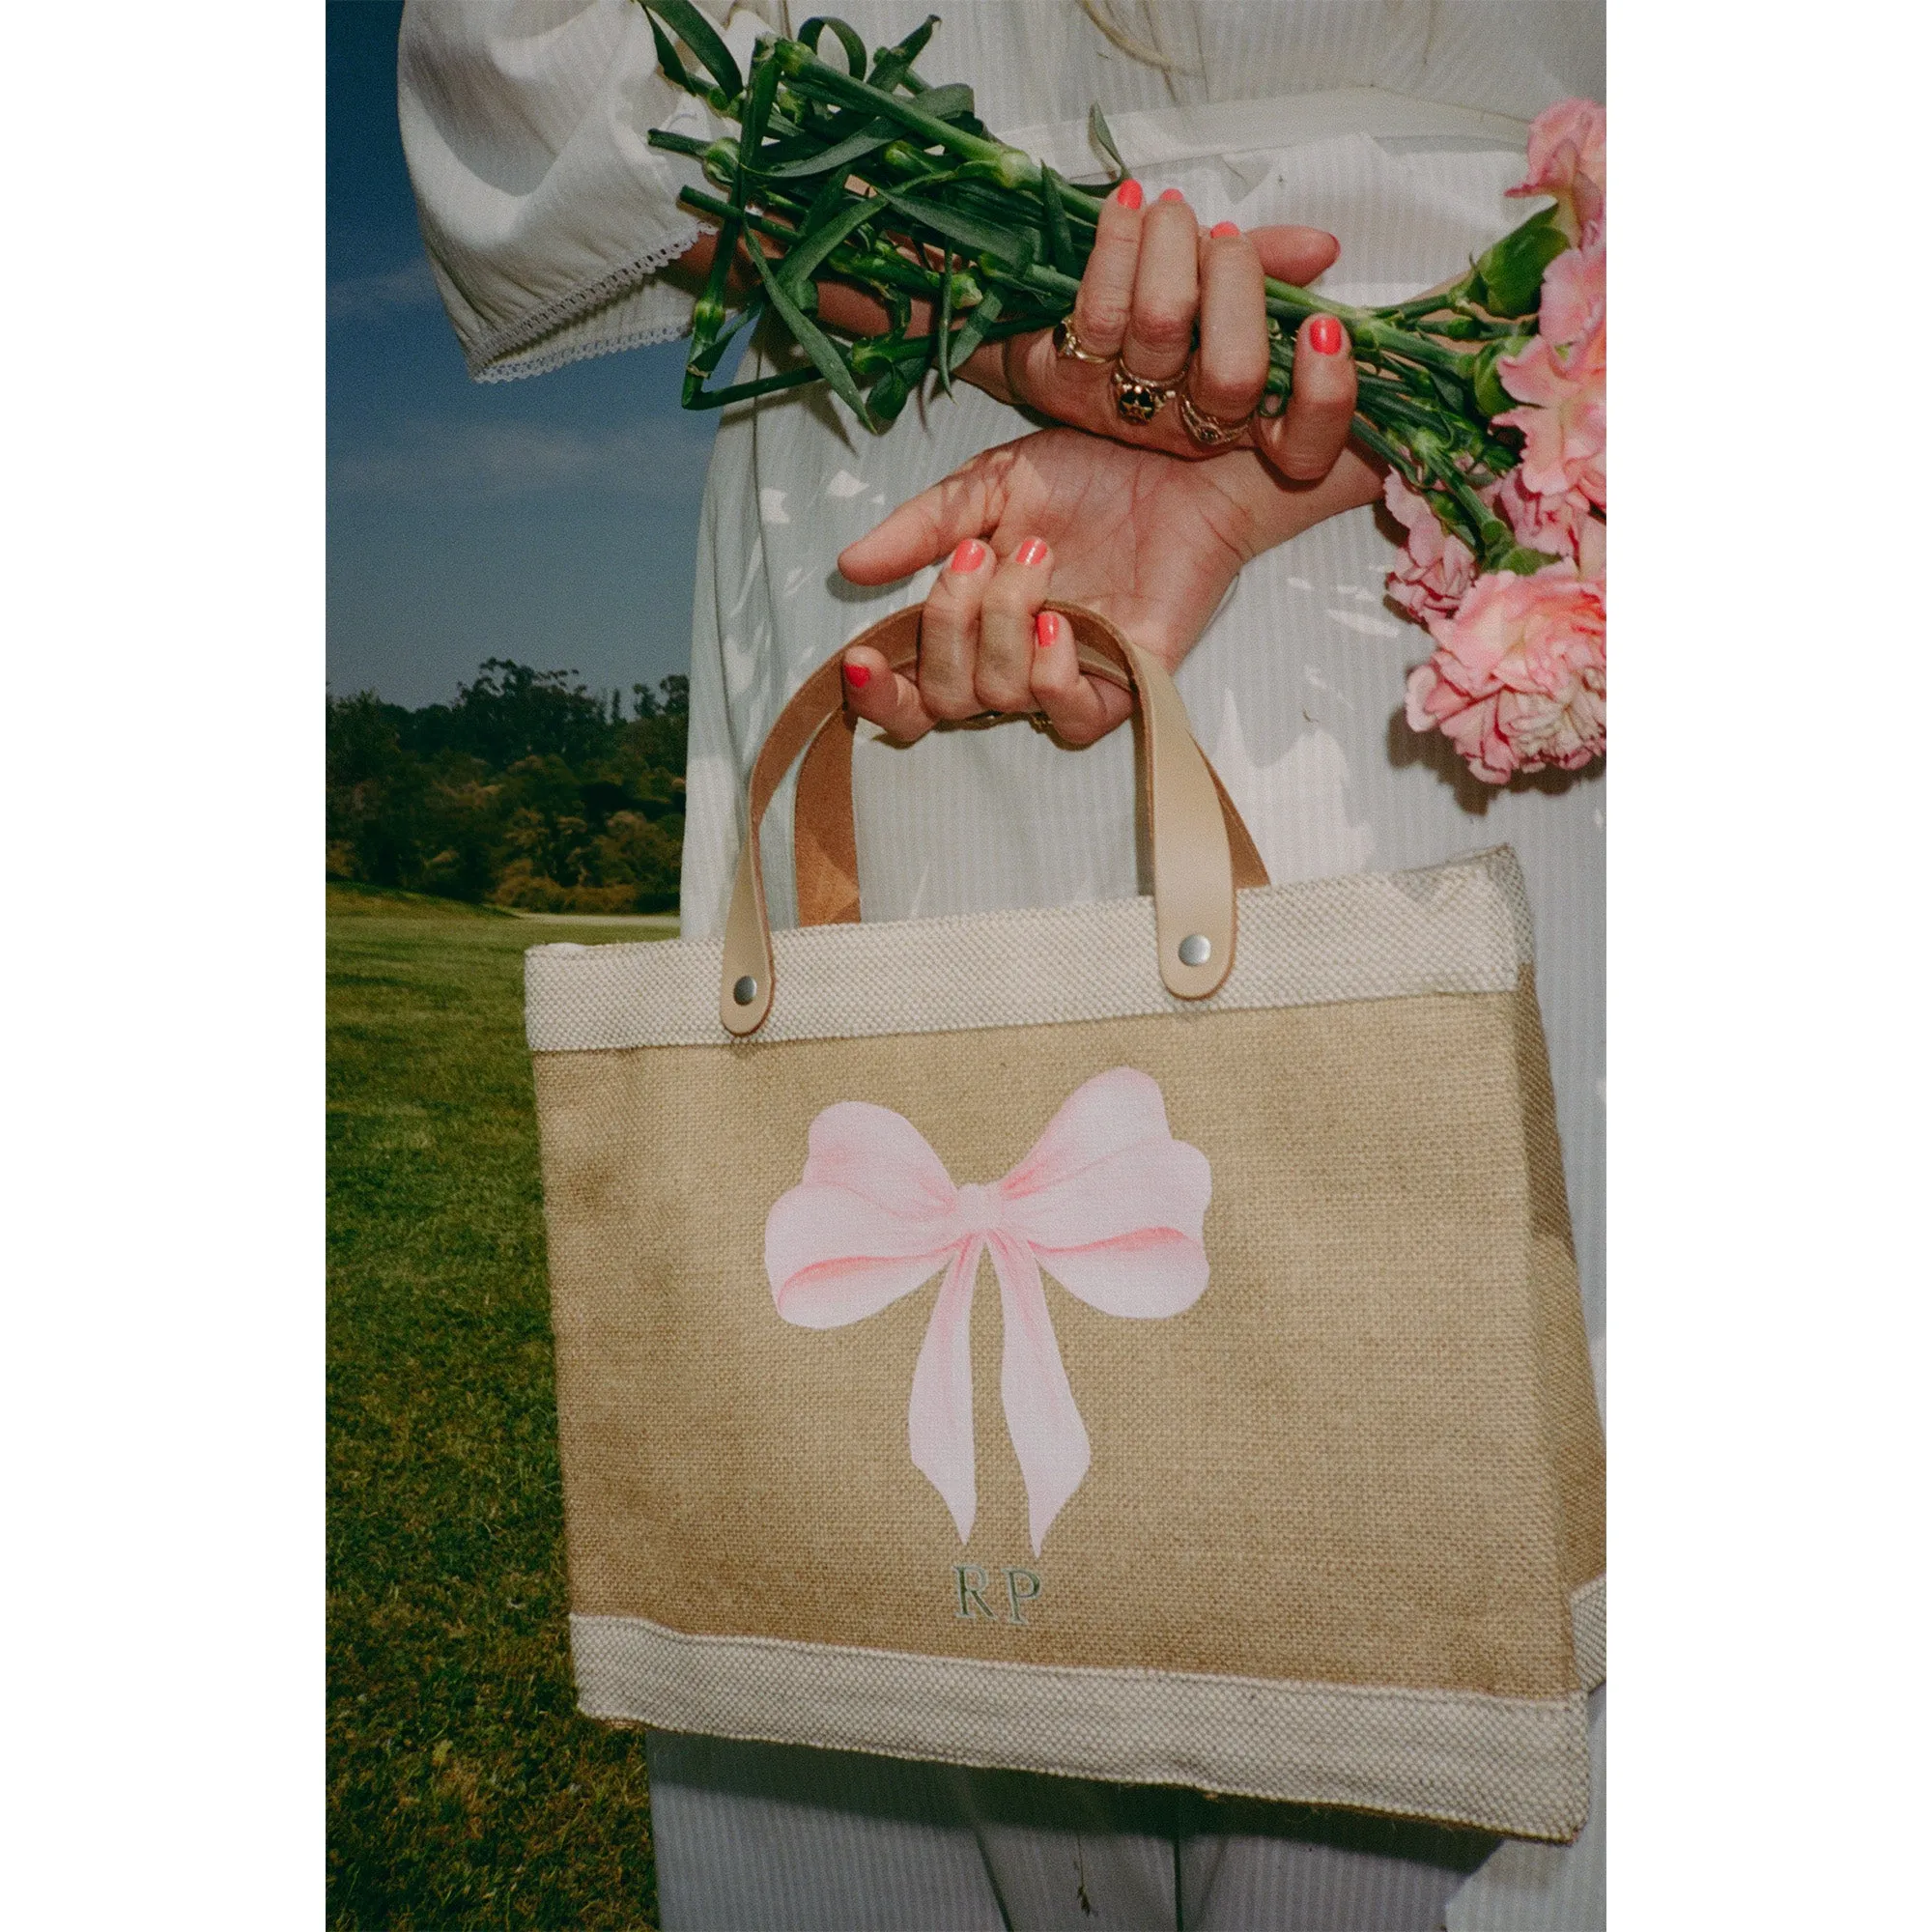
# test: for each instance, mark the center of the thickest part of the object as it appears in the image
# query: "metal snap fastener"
(746, 990)
(1195, 948)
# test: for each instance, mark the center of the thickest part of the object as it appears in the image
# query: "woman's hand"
(1154, 281)
(1149, 542)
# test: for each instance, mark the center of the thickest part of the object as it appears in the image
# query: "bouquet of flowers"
(1484, 399)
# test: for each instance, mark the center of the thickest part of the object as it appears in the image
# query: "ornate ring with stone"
(1207, 432)
(1139, 399)
(1068, 344)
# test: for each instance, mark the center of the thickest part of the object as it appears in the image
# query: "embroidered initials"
(970, 1583)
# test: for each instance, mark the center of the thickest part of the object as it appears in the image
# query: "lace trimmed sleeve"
(546, 213)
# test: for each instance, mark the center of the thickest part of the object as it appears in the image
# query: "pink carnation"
(1435, 568)
(1517, 681)
(1566, 160)
(1561, 527)
(1573, 296)
(1564, 430)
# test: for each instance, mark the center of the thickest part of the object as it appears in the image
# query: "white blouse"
(1396, 125)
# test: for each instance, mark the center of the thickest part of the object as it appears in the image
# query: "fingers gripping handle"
(1201, 848)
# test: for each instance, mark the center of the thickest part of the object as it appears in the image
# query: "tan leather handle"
(825, 849)
(1202, 851)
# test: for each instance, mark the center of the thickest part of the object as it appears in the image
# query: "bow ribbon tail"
(939, 1418)
(1049, 1435)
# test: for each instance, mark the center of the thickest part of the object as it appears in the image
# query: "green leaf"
(811, 78)
(942, 340)
(1525, 562)
(888, 397)
(894, 64)
(848, 38)
(823, 350)
(1102, 137)
(874, 134)
(1059, 237)
(825, 204)
(973, 332)
(1486, 380)
(757, 111)
(1511, 273)
(702, 38)
(1017, 246)
(948, 102)
(812, 250)
(667, 61)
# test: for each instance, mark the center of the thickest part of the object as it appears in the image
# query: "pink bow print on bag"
(1107, 1201)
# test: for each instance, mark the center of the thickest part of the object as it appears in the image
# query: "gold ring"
(1068, 343)
(1207, 432)
(1139, 399)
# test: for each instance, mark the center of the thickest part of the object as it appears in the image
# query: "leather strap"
(1202, 850)
(825, 846)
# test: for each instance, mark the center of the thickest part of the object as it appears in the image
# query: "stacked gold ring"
(1068, 343)
(1139, 399)
(1207, 432)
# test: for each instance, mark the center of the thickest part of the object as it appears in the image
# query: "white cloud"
(370, 298)
(661, 460)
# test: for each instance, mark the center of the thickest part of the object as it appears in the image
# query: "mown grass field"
(463, 1788)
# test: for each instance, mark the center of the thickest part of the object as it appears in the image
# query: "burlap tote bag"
(1136, 1340)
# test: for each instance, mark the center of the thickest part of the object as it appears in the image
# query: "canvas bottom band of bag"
(996, 1359)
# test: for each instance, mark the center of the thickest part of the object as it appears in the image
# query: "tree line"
(528, 791)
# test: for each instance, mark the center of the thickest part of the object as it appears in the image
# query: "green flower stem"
(1440, 302)
(765, 385)
(895, 269)
(812, 75)
(1366, 433)
(997, 245)
(701, 203)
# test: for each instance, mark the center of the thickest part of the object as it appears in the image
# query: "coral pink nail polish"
(1045, 628)
(1172, 194)
(1324, 335)
(1128, 194)
(1033, 550)
(858, 676)
(970, 555)
(1222, 229)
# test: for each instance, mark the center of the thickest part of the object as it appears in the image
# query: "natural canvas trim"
(1461, 928)
(1589, 1633)
(1514, 1765)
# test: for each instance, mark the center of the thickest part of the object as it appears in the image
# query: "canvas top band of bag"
(1201, 852)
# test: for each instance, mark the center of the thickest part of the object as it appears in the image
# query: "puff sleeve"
(546, 213)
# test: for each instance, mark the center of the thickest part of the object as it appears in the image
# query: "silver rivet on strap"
(746, 989)
(1195, 948)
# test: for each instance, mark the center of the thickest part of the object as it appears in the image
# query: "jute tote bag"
(1137, 1340)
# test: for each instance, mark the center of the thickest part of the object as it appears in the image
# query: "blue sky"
(552, 520)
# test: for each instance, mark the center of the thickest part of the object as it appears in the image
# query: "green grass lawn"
(463, 1788)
